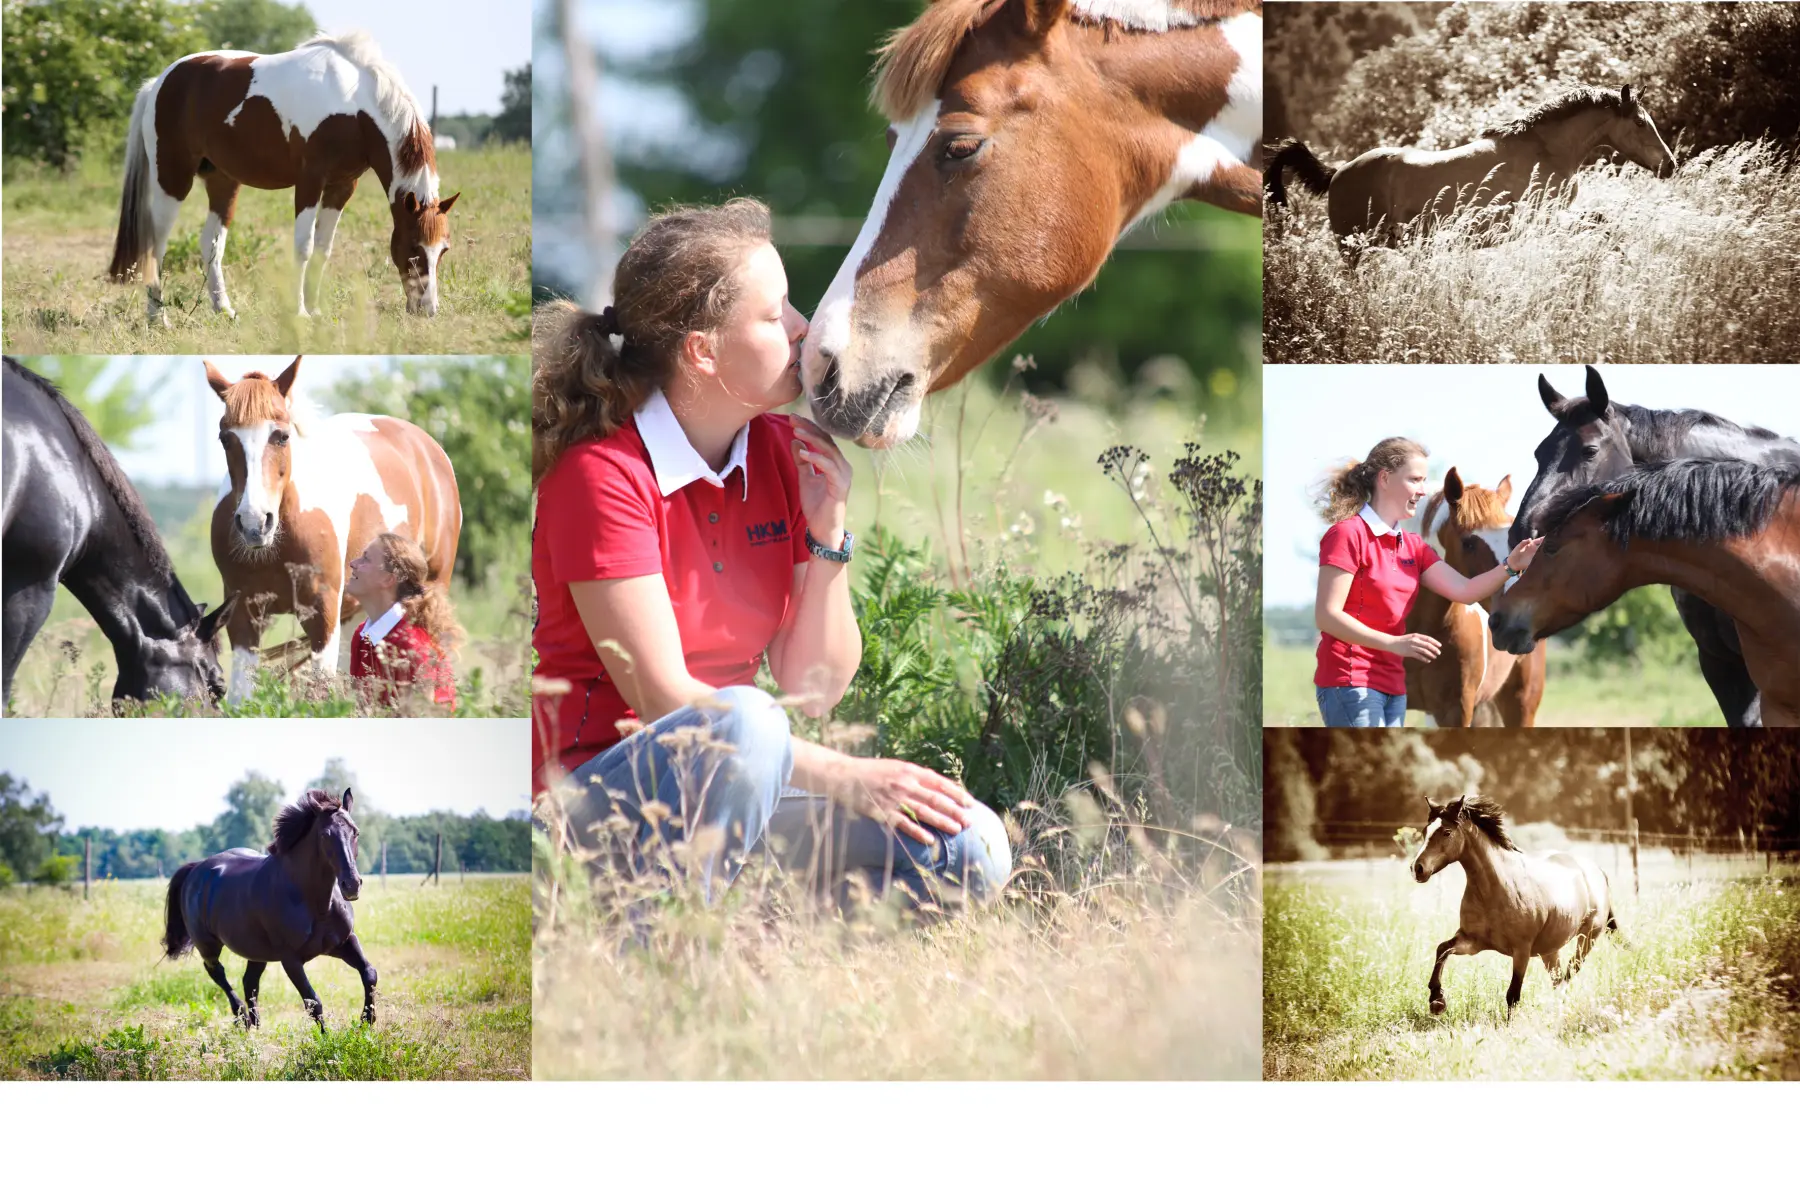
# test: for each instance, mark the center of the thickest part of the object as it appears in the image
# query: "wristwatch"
(836, 556)
(1510, 573)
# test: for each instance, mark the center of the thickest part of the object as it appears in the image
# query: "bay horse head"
(1469, 523)
(1444, 837)
(1632, 132)
(1025, 137)
(419, 243)
(1579, 570)
(257, 432)
(1589, 443)
(320, 835)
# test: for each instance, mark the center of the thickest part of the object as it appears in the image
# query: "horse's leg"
(1455, 945)
(1552, 961)
(221, 206)
(335, 196)
(306, 215)
(244, 630)
(351, 951)
(1520, 961)
(215, 970)
(296, 971)
(253, 972)
(26, 611)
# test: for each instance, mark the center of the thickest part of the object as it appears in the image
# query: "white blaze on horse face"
(255, 503)
(422, 290)
(831, 324)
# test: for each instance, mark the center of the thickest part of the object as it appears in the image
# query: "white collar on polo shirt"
(674, 458)
(380, 627)
(1377, 526)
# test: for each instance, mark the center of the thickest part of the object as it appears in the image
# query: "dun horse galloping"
(1468, 524)
(307, 494)
(290, 906)
(1025, 138)
(1519, 905)
(1387, 188)
(312, 119)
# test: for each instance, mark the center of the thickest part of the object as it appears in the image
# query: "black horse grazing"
(289, 906)
(1597, 440)
(71, 517)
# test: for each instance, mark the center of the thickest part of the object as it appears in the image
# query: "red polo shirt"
(727, 554)
(1384, 580)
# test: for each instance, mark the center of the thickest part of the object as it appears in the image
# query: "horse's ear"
(284, 383)
(1596, 393)
(411, 204)
(348, 800)
(1504, 489)
(1553, 399)
(208, 626)
(1453, 486)
(443, 206)
(1433, 807)
(1452, 809)
(1040, 16)
(216, 381)
(1625, 94)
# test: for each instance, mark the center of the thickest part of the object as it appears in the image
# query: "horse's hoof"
(1438, 1005)
(368, 1016)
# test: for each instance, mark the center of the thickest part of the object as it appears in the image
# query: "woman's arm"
(1329, 615)
(1453, 585)
(632, 624)
(819, 646)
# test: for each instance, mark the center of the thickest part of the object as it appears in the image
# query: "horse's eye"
(278, 438)
(961, 148)
(1471, 543)
(1590, 453)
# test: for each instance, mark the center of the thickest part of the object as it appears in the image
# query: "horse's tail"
(176, 939)
(131, 248)
(1314, 175)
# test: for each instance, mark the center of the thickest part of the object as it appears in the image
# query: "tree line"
(37, 846)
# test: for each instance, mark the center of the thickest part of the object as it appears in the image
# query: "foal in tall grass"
(1519, 905)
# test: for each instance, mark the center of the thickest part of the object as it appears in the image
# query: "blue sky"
(462, 46)
(1483, 420)
(153, 774)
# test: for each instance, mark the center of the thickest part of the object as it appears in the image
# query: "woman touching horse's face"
(754, 356)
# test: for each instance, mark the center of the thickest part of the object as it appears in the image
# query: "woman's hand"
(904, 796)
(1416, 645)
(1523, 553)
(824, 482)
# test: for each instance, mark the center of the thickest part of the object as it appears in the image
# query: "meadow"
(1701, 267)
(1648, 691)
(1127, 944)
(59, 237)
(85, 994)
(1703, 989)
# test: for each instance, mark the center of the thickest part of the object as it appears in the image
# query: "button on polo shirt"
(642, 501)
(1385, 565)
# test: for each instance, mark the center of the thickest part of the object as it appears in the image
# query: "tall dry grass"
(1700, 267)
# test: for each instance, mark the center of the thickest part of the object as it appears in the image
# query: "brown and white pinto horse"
(312, 119)
(1026, 137)
(1467, 524)
(307, 494)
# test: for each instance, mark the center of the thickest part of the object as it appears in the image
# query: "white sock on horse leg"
(303, 247)
(164, 208)
(212, 257)
(326, 660)
(243, 675)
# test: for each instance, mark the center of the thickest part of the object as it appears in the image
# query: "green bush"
(58, 870)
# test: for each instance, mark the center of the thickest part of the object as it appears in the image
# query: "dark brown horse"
(1522, 906)
(289, 906)
(313, 119)
(1728, 532)
(1469, 679)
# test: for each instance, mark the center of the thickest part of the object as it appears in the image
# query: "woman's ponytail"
(1345, 490)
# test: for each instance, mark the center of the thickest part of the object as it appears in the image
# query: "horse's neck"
(1567, 143)
(309, 873)
(1487, 864)
(1733, 575)
(1706, 440)
(115, 582)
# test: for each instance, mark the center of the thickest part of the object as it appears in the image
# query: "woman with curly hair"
(411, 630)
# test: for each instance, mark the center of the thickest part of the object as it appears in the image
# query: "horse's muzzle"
(1510, 634)
(1419, 872)
(351, 888)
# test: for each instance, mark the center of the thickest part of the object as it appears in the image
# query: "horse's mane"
(1565, 105)
(911, 64)
(295, 820)
(409, 137)
(1686, 499)
(1490, 818)
(137, 517)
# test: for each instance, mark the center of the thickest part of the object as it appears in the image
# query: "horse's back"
(1394, 184)
(41, 478)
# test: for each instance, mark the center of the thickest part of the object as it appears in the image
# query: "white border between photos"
(1105, 1141)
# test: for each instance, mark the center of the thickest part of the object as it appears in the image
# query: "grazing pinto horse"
(1026, 137)
(306, 495)
(1468, 524)
(1726, 532)
(312, 119)
(1520, 905)
(1596, 439)
(289, 906)
(1388, 187)
(71, 517)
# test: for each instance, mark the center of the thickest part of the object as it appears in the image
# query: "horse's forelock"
(254, 399)
(1481, 508)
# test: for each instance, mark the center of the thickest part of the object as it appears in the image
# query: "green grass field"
(1704, 989)
(1650, 693)
(59, 234)
(84, 992)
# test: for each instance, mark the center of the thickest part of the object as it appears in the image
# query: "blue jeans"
(715, 775)
(1361, 708)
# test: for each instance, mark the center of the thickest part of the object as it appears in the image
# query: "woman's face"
(369, 573)
(1403, 488)
(756, 352)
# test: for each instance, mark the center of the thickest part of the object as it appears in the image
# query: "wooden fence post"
(87, 868)
(1634, 865)
(384, 864)
(437, 863)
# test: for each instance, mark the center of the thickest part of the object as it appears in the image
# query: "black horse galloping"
(71, 517)
(289, 906)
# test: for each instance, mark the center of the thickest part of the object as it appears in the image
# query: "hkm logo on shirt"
(765, 532)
